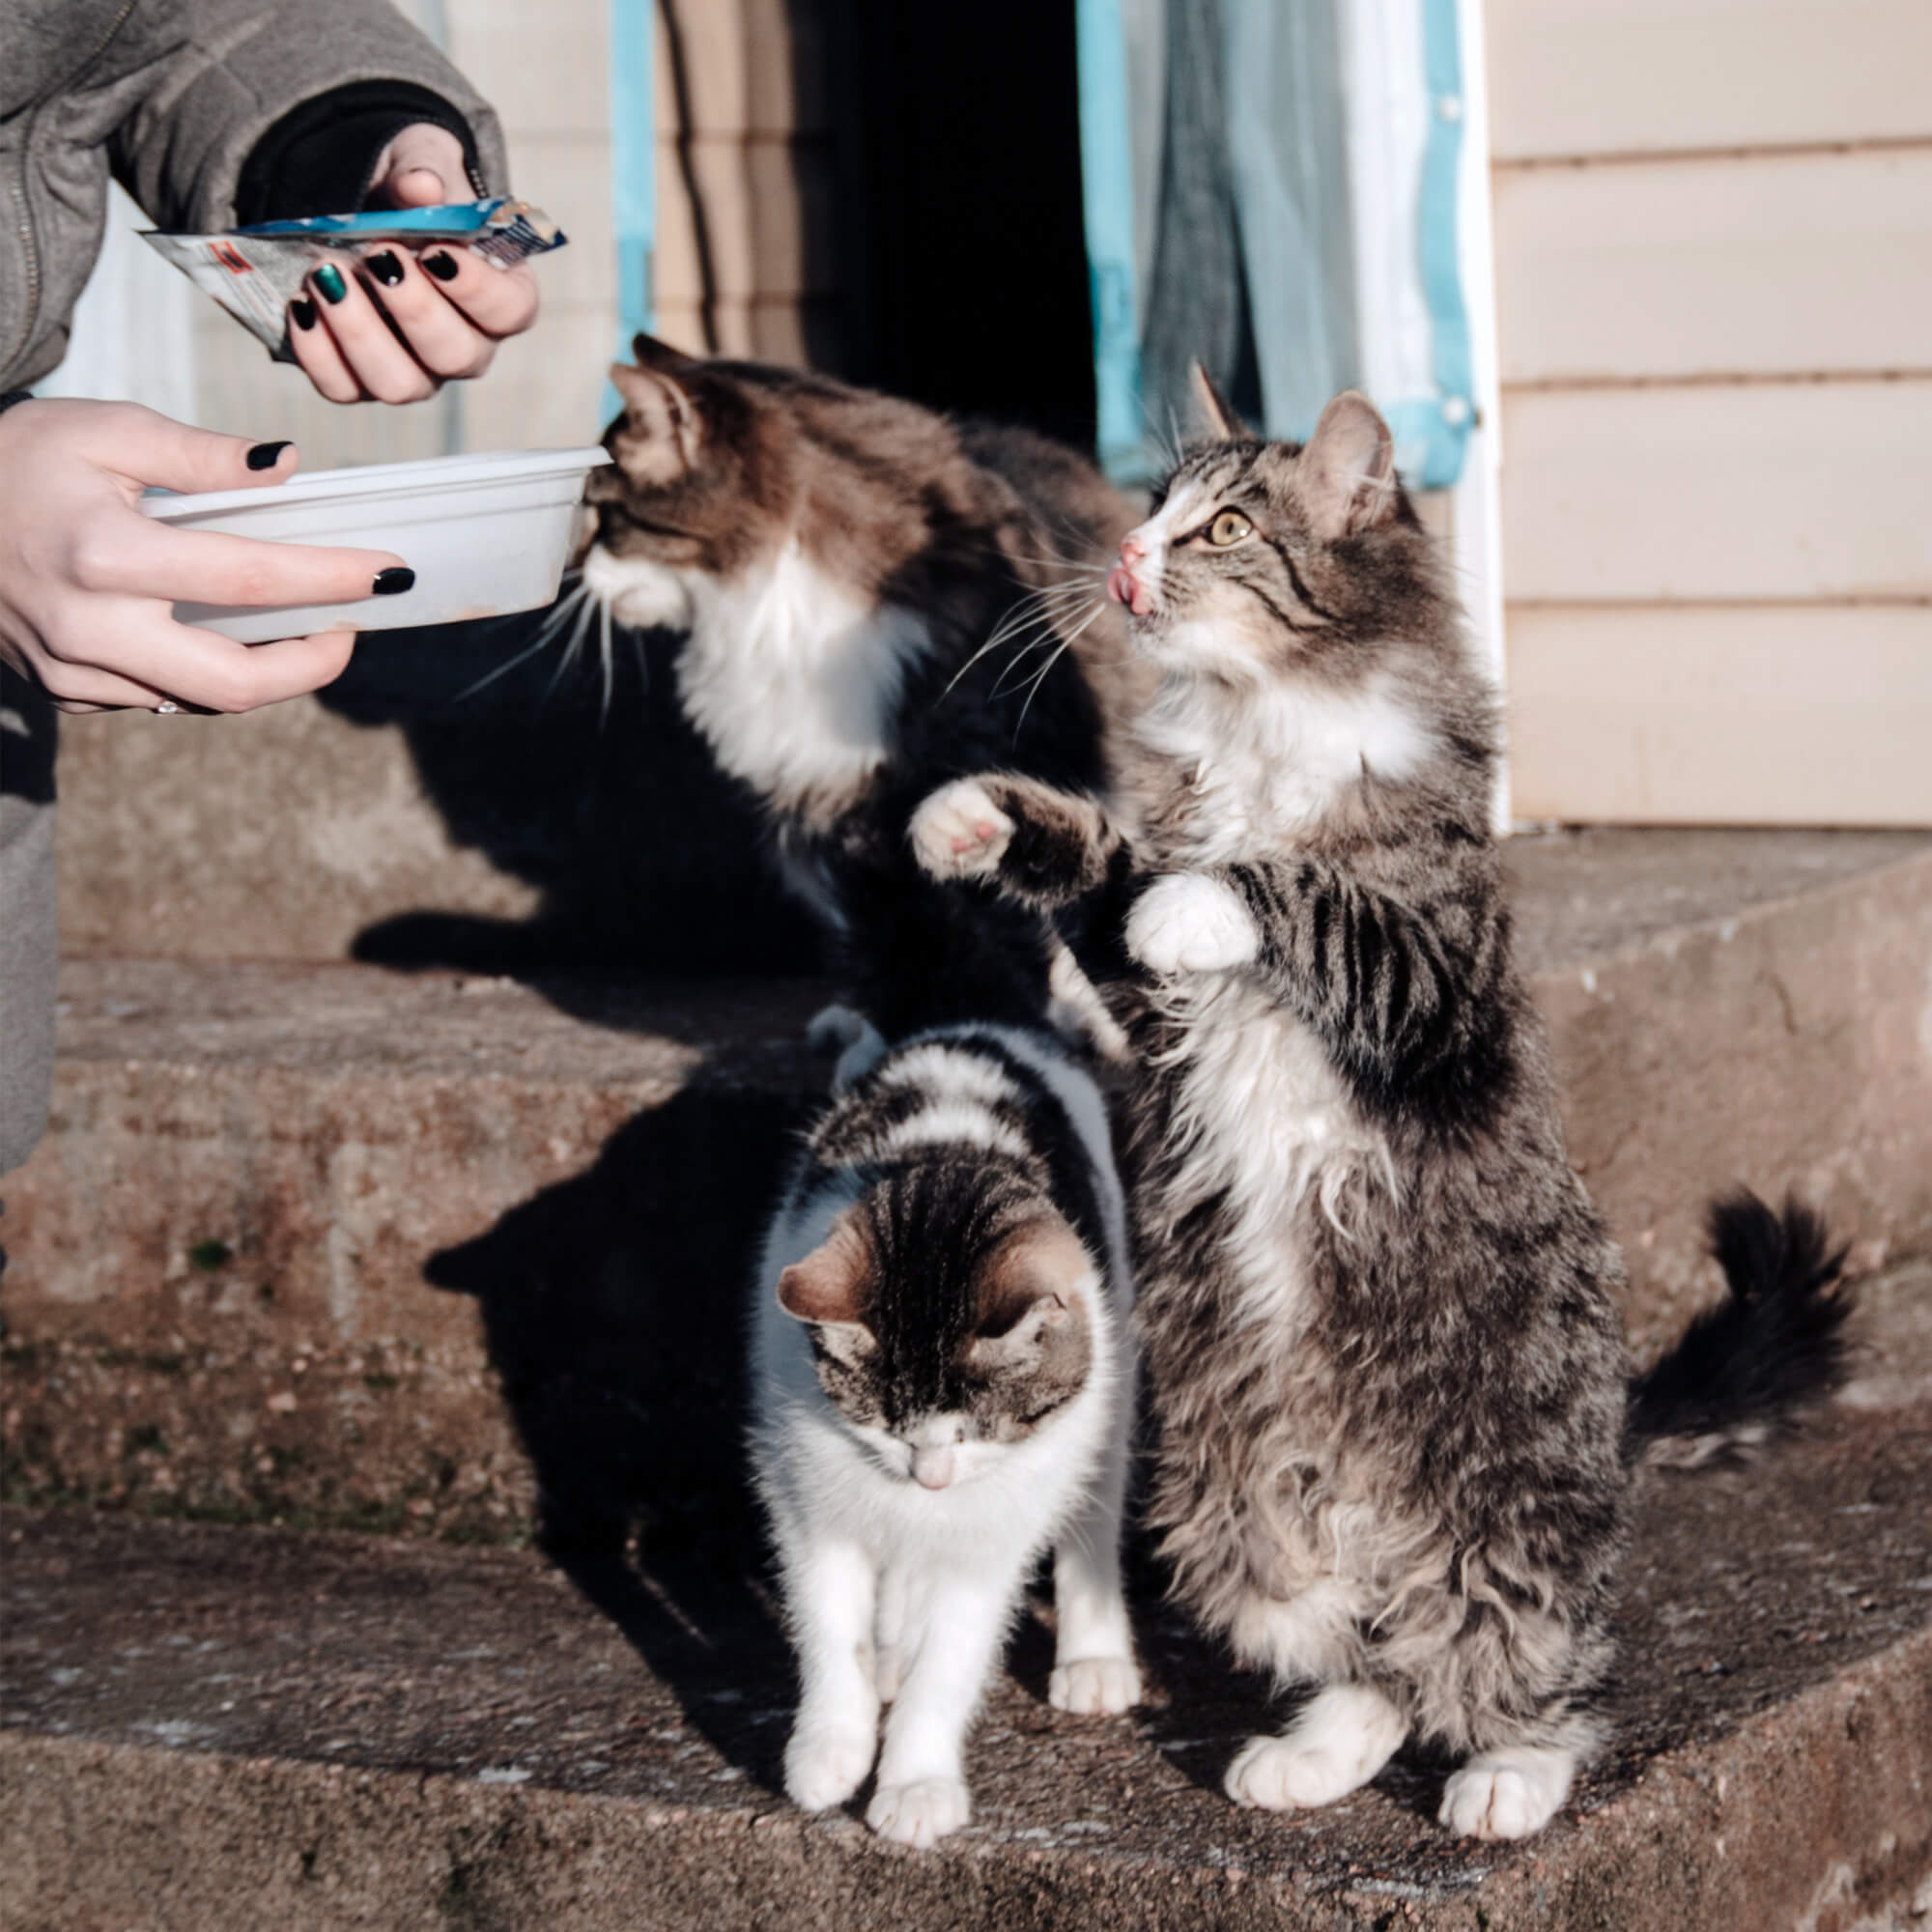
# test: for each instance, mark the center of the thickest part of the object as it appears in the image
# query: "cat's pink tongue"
(1122, 589)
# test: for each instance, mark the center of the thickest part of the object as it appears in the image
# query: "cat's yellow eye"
(1229, 527)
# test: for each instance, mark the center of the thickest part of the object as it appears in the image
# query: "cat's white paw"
(1345, 1736)
(959, 833)
(1506, 1794)
(1279, 1775)
(826, 1763)
(922, 1813)
(1091, 1685)
(1188, 923)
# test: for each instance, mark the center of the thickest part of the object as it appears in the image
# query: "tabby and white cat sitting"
(1397, 1430)
(943, 1390)
(876, 600)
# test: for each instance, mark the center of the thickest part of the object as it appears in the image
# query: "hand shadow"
(615, 1307)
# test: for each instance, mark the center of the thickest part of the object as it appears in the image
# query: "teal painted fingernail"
(329, 279)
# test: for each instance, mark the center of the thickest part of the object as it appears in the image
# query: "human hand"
(395, 326)
(86, 580)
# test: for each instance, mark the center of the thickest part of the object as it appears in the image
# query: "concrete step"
(215, 1727)
(340, 1245)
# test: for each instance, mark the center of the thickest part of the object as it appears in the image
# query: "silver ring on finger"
(167, 708)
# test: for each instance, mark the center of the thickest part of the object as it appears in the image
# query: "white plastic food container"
(485, 534)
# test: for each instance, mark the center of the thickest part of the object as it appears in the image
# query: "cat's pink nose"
(932, 1468)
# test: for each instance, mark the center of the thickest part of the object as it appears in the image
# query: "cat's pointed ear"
(1031, 1291)
(661, 432)
(652, 352)
(1347, 472)
(1211, 406)
(828, 1287)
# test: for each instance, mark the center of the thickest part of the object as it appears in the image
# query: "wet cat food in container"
(485, 534)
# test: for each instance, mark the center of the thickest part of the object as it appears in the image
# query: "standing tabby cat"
(1397, 1430)
(841, 562)
(944, 1388)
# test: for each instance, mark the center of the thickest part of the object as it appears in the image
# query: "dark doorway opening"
(960, 239)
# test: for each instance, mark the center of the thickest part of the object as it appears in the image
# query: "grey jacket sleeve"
(236, 68)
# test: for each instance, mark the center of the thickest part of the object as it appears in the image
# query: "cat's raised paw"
(1091, 1686)
(922, 1813)
(1188, 923)
(959, 833)
(1506, 1794)
(825, 1764)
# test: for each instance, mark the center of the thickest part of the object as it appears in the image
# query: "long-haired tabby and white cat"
(944, 1390)
(876, 600)
(1397, 1425)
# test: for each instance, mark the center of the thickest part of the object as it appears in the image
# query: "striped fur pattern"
(1379, 1309)
(944, 1391)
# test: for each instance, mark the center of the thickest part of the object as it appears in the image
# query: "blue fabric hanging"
(1272, 187)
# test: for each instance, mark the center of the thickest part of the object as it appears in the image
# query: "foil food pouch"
(255, 272)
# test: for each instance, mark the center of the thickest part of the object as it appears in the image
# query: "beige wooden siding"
(744, 179)
(1738, 492)
(1648, 76)
(545, 72)
(1636, 713)
(1678, 268)
(1714, 249)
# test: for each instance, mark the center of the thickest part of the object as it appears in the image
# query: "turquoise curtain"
(1270, 186)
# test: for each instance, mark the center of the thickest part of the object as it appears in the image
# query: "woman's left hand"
(395, 326)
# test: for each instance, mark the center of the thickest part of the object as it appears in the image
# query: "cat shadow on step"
(644, 858)
(614, 1307)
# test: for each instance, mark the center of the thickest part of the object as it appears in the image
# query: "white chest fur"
(792, 679)
(1266, 765)
(1263, 1116)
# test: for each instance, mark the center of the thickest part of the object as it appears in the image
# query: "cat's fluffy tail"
(1774, 1346)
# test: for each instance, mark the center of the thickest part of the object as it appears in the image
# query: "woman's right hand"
(87, 582)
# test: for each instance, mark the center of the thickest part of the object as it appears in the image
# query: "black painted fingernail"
(443, 266)
(302, 312)
(329, 279)
(385, 267)
(265, 455)
(393, 582)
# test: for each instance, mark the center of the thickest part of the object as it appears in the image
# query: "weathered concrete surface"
(211, 1727)
(1730, 1008)
(348, 1246)
(253, 1266)
(443, 804)
(278, 835)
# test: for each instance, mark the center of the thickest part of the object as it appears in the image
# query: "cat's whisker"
(1057, 562)
(1066, 644)
(1037, 631)
(578, 630)
(605, 652)
(547, 632)
(1040, 616)
(1027, 614)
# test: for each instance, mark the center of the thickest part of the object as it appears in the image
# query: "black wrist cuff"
(320, 158)
(14, 396)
